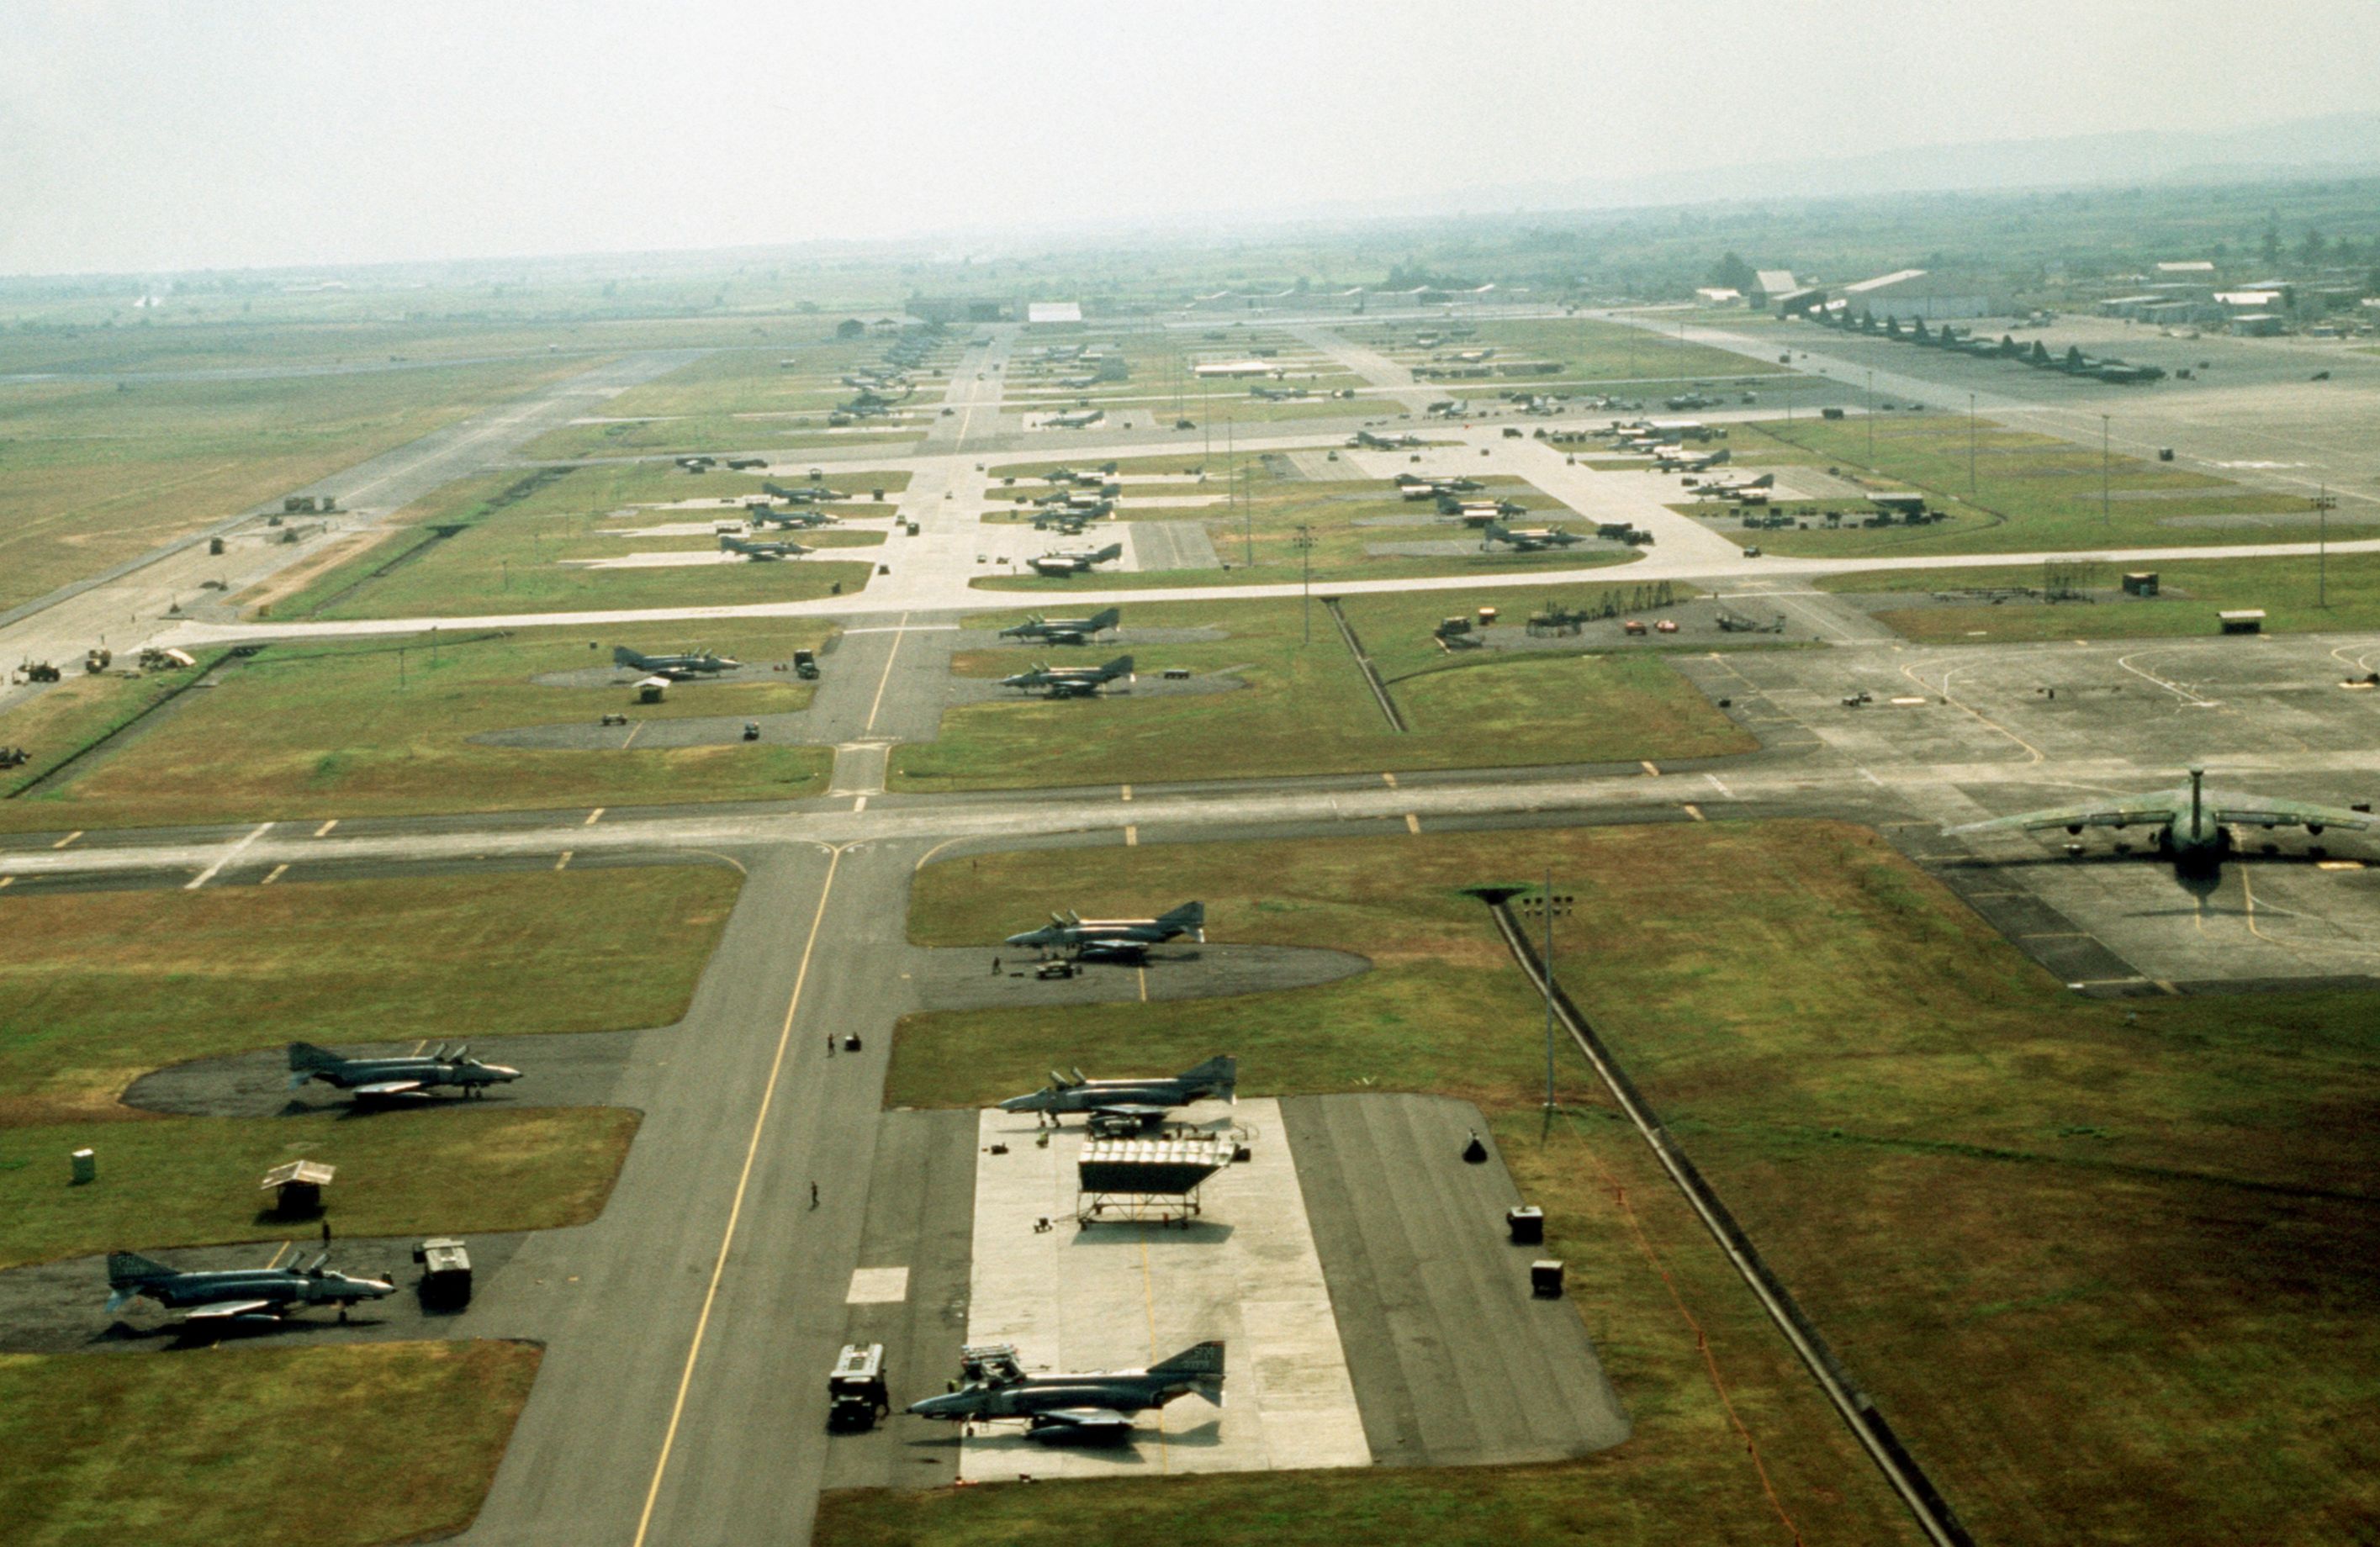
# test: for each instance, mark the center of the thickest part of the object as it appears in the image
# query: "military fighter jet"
(761, 515)
(761, 551)
(1064, 631)
(1073, 932)
(677, 669)
(382, 1078)
(1146, 1100)
(2190, 825)
(1364, 440)
(1078, 560)
(249, 1295)
(1530, 539)
(1069, 681)
(803, 493)
(1081, 419)
(1679, 460)
(1097, 1407)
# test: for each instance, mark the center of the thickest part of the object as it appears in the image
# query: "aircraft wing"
(1132, 1109)
(222, 1310)
(2144, 811)
(2259, 811)
(1083, 1420)
(389, 1087)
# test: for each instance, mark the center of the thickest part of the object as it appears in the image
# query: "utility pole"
(1870, 415)
(1552, 905)
(2106, 519)
(1306, 559)
(2321, 508)
(1970, 445)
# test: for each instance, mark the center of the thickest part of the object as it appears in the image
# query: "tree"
(2310, 249)
(1733, 273)
(850, 327)
(2272, 242)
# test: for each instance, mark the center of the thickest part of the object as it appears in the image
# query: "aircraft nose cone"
(936, 1407)
(502, 1072)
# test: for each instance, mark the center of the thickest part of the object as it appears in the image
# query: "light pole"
(1869, 414)
(2321, 508)
(1970, 445)
(2106, 519)
(1305, 560)
(1550, 905)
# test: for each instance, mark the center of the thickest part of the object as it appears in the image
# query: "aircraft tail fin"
(1112, 551)
(1190, 915)
(1105, 619)
(131, 1268)
(1120, 667)
(304, 1056)
(1221, 1072)
(622, 656)
(1202, 1364)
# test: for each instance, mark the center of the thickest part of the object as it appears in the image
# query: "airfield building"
(1054, 316)
(1769, 285)
(1920, 293)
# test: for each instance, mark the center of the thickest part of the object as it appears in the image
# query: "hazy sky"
(154, 136)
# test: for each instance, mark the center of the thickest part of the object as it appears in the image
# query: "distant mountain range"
(2338, 145)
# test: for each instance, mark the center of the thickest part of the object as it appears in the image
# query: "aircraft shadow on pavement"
(1202, 1232)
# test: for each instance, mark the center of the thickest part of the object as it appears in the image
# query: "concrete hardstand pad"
(1125, 1296)
(1454, 1361)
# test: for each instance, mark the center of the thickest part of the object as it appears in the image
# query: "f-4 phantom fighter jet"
(1073, 932)
(786, 520)
(697, 664)
(1364, 440)
(1069, 681)
(803, 493)
(2190, 825)
(249, 1294)
(1098, 1406)
(379, 1079)
(761, 551)
(1064, 631)
(1530, 539)
(1147, 1100)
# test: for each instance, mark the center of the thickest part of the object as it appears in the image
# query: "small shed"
(299, 1187)
(652, 690)
(2243, 620)
(2141, 583)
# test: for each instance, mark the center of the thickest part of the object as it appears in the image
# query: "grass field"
(91, 472)
(191, 1181)
(2029, 491)
(1257, 537)
(740, 399)
(2190, 593)
(1589, 351)
(523, 538)
(2105, 1264)
(1305, 708)
(383, 728)
(81, 709)
(184, 1451)
(100, 988)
